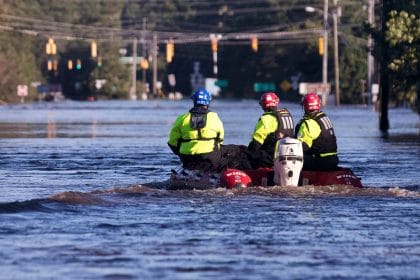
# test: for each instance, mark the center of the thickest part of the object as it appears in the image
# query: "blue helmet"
(201, 97)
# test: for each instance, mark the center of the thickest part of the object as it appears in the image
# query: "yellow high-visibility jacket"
(317, 135)
(185, 140)
(278, 123)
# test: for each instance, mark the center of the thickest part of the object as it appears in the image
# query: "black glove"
(174, 149)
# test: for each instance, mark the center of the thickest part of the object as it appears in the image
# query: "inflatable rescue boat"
(287, 171)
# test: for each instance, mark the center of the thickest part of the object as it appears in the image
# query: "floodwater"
(84, 196)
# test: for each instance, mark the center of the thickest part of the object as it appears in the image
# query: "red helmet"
(233, 178)
(311, 102)
(268, 100)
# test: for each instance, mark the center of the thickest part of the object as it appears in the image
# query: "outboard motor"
(288, 162)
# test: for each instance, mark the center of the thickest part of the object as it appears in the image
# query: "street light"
(335, 40)
(310, 9)
(325, 43)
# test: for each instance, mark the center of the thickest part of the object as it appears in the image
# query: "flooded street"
(84, 197)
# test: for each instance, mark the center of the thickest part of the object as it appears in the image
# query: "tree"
(18, 64)
(403, 38)
(76, 23)
(115, 74)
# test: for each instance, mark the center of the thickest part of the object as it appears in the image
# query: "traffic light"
(254, 44)
(93, 49)
(170, 49)
(70, 64)
(51, 47)
(214, 45)
(321, 46)
(144, 63)
(79, 64)
(49, 65)
(55, 65)
(99, 64)
(48, 47)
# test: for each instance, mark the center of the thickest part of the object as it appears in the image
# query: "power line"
(74, 31)
(69, 31)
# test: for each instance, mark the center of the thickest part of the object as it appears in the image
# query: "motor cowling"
(288, 162)
(234, 178)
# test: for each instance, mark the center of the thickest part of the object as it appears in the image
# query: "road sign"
(212, 87)
(261, 87)
(130, 59)
(221, 83)
(285, 85)
(99, 83)
(375, 88)
(22, 90)
(318, 88)
(172, 80)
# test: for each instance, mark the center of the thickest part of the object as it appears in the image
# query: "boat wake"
(65, 201)
(24, 206)
(314, 191)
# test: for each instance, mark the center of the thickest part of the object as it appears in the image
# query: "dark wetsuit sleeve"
(254, 146)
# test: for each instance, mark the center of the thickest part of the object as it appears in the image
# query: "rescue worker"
(315, 131)
(197, 135)
(274, 124)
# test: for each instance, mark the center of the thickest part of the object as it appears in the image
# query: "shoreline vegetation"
(37, 55)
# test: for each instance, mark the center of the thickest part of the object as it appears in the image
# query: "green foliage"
(115, 74)
(17, 66)
(403, 38)
(352, 68)
(397, 49)
(275, 61)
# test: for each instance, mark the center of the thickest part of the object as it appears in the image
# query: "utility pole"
(133, 93)
(143, 49)
(325, 56)
(370, 59)
(336, 62)
(154, 59)
(384, 77)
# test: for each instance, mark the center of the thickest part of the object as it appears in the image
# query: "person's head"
(311, 103)
(201, 97)
(269, 101)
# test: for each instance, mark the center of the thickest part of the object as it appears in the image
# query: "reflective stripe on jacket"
(191, 141)
(268, 125)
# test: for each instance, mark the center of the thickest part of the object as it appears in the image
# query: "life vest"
(284, 128)
(326, 143)
(285, 123)
(201, 132)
